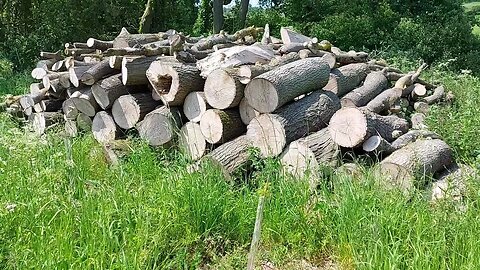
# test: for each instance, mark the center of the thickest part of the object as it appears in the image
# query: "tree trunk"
(243, 12)
(346, 78)
(232, 155)
(219, 126)
(174, 81)
(99, 44)
(271, 132)
(374, 84)
(273, 89)
(350, 127)
(160, 125)
(125, 39)
(191, 141)
(195, 106)
(247, 112)
(128, 110)
(104, 128)
(223, 88)
(217, 16)
(97, 72)
(146, 20)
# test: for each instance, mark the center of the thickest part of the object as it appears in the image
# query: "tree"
(217, 16)
(243, 12)
(146, 20)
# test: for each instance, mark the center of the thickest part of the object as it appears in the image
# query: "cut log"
(160, 126)
(421, 107)
(26, 103)
(223, 89)
(56, 75)
(291, 47)
(419, 91)
(42, 68)
(85, 102)
(247, 72)
(273, 89)
(350, 127)
(57, 86)
(57, 56)
(36, 88)
(375, 83)
(377, 145)
(271, 132)
(195, 106)
(290, 36)
(385, 100)
(438, 94)
(115, 62)
(412, 136)
(452, 183)
(125, 39)
(59, 66)
(76, 73)
(247, 112)
(50, 105)
(128, 110)
(108, 90)
(75, 52)
(346, 78)
(351, 57)
(44, 120)
(232, 155)
(84, 122)
(208, 43)
(134, 69)
(191, 141)
(174, 81)
(419, 159)
(308, 154)
(104, 128)
(99, 44)
(418, 121)
(219, 126)
(69, 109)
(97, 72)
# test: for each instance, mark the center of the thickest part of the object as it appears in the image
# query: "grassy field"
(64, 207)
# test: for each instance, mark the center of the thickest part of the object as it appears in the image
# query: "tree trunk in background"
(217, 16)
(146, 20)
(243, 12)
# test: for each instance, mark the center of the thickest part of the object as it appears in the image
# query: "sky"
(252, 2)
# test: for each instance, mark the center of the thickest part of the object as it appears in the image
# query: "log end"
(348, 127)
(262, 95)
(194, 106)
(191, 141)
(126, 112)
(298, 159)
(221, 89)
(103, 127)
(267, 133)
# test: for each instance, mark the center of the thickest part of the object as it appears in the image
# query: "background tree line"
(428, 29)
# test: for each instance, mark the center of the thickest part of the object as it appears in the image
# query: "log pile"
(296, 98)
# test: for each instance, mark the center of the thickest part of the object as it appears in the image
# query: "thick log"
(65, 76)
(42, 68)
(125, 39)
(290, 36)
(232, 155)
(385, 100)
(377, 145)
(174, 81)
(69, 109)
(44, 120)
(271, 132)
(223, 88)
(134, 69)
(128, 110)
(76, 73)
(191, 141)
(108, 90)
(104, 128)
(99, 44)
(350, 127)
(438, 94)
(97, 72)
(85, 102)
(115, 62)
(346, 78)
(374, 84)
(160, 126)
(36, 88)
(308, 154)
(247, 112)
(219, 126)
(195, 106)
(291, 47)
(273, 89)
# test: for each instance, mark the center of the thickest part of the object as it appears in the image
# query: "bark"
(346, 78)
(219, 126)
(273, 89)
(438, 94)
(418, 121)
(413, 135)
(232, 155)
(271, 132)
(385, 100)
(351, 58)
(160, 126)
(99, 44)
(104, 128)
(247, 112)
(128, 110)
(134, 69)
(125, 39)
(217, 16)
(97, 72)
(223, 88)
(76, 73)
(375, 83)
(195, 106)
(191, 141)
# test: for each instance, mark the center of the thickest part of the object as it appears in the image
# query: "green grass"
(149, 213)
(470, 6)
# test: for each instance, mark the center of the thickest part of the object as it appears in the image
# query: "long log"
(160, 126)
(128, 110)
(223, 88)
(232, 155)
(125, 39)
(374, 84)
(134, 69)
(271, 132)
(97, 72)
(273, 89)
(104, 128)
(99, 44)
(346, 78)
(385, 100)
(194, 106)
(350, 127)
(191, 141)
(247, 112)
(412, 136)
(219, 126)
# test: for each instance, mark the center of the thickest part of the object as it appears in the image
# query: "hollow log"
(219, 126)
(174, 81)
(195, 106)
(44, 120)
(99, 44)
(378, 145)
(273, 89)
(271, 132)
(128, 110)
(374, 84)
(85, 102)
(247, 112)
(223, 88)
(160, 126)
(104, 128)
(346, 78)
(97, 72)
(191, 141)
(232, 155)
(350, 127)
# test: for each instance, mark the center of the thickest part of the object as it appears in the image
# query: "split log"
(346, 78)
(309, 154)
(266, 35)
(377, 145)
(125, 39)
(375, 83)
(247, 112)
(115, 62)
(437, 95)
(223, 89)
(385, 100)
(108, 90)
(128, 110)
(219, 126)
(231, 156)
(273, 89)
(104, 128)
(76, 73)
(271, 132)
(174, 81)
(84, 122)
(44, 120)
(69, 109)
(350, 127)
(289, 36)
(134, 69)
(195, 106)
(160, 126)
(85, 102)
(57, 56)
(191, 141)
(99, 44)
(97, 72)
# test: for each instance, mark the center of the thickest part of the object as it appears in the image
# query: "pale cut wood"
(273, 89)
(160, 126)
(191, 141)
(219, 126)
(306, 156)
(374, 84)
(419, 91)
(45, 120)
(350, 127)
(377, 145)
(99, 44)
(438, 94)
(271, 132)
(104, 128)
(346, 78)
(115, 62)
(108, 90)
(173, 81)
(42, 68)
(49, 55)
(69, 109)
(76, 52)
(195, 106)
(266, 35)
(134, 69)
(59, 66)
(56, 75)
(247, 112)
(85, 102)
(76, 73)
(231, 156)
(290, 36)
(57, 86)
(36, 88)
(26, 103)
(223, 88)
(97, 72)
(128, 110)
